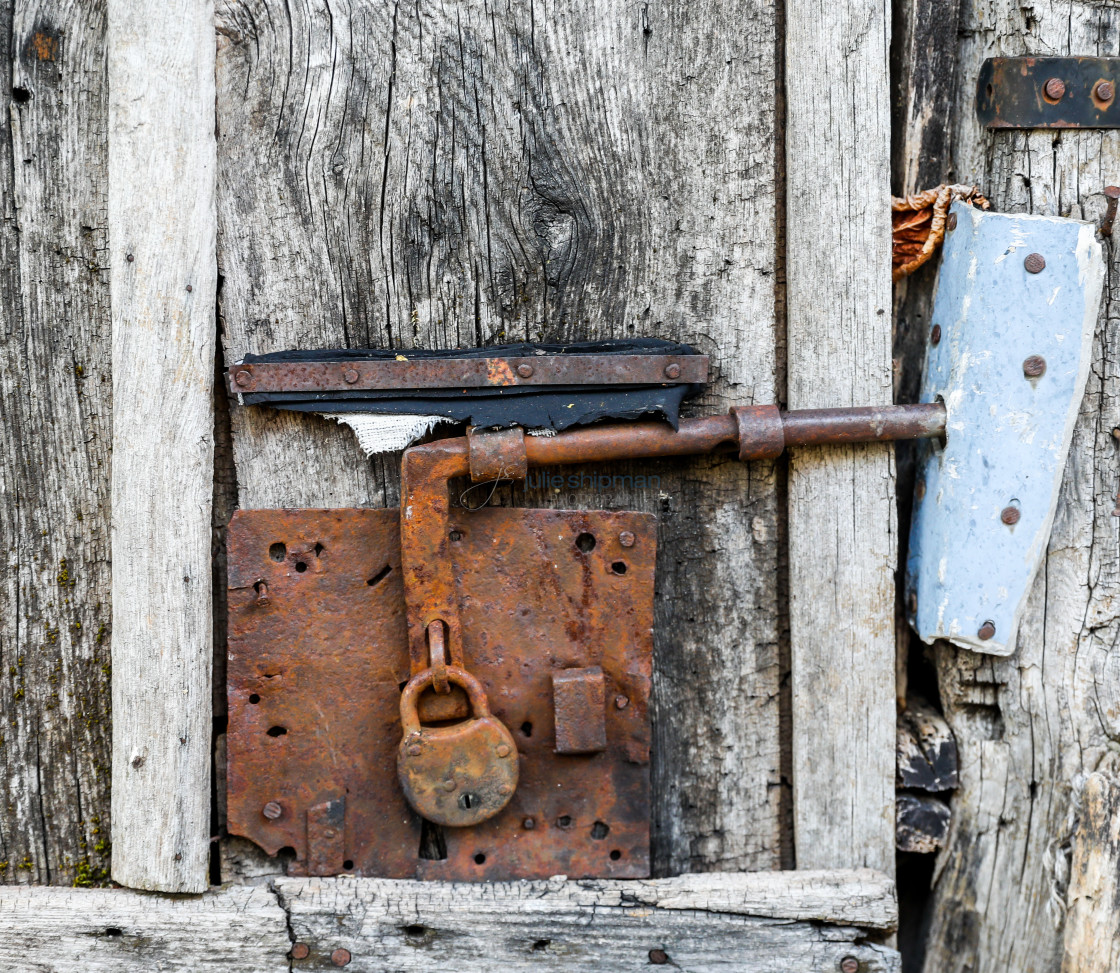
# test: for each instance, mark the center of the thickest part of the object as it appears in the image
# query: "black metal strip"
(1048, 92)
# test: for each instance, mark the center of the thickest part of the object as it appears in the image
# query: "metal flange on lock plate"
(1009, 353)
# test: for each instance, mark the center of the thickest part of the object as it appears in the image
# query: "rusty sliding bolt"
(756, 432)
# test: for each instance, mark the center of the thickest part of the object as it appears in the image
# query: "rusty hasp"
(315, 676)
(464, 694)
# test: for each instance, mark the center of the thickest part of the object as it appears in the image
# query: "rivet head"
(621, 702)
(414, 750)
(987, 631)
(626, 539)
(449, 784)
(529, 824)
(673, 370)
(502, 749)
(1034, 366)
(935, 334)
(340, 957)
(1054, 88)
(1035, 263)
(951, 222)
(300, 950)
(1104, 90)
(243, 378)
(272, 810)
(130, 258)
(1010, 516)
(505, 789)
(189, 288)
(849, 964)
(351, 376)
(329, 833)
(525, 370)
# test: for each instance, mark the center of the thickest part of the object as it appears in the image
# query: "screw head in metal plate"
(243, 377)
(272, 810)
(1034, 366)
(340, 957)
(1035, 263)
(935, 334)
(525, 370)
(1104, 90)
(1054, 88)
(987, 631)
(672, 370)
(1010, 516)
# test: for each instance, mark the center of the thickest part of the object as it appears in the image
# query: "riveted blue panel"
(971, 564)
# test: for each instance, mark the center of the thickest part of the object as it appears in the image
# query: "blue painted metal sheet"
(1008, 433)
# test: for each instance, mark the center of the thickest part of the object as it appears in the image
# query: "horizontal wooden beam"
(758, 922)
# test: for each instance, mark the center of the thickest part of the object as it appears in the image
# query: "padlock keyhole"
(467, 800)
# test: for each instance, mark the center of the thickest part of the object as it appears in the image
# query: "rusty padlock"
(455, 775)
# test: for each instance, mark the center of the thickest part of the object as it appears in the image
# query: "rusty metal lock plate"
(318, 654)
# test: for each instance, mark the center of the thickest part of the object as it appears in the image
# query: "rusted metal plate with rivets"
(316, 669)
(1049, 92)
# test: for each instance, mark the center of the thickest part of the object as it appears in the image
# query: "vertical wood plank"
(162, 236)
(841, 500)
(55, 436)
(416, 175)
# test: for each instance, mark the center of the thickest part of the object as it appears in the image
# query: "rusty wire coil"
(918, 224)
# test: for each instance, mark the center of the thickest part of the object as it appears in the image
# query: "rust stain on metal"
(315, 677)
(43, 47)
(580, 710)
(459, 775)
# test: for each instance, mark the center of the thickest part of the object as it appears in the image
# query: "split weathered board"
(412, 175)
(842, 530)
(774, 922)
(55, 438)
(1029, 727)
(163, 278)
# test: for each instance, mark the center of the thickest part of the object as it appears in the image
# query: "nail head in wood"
(1034, 366)
(951, 222)
(935, 334)
(849, 964)
(1035, 263)
(300, 951)
(658, 957)
(340, 957)
(987, 631)
(1054, 88)
(1010, 516)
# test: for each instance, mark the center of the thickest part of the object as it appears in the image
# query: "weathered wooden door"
(442, 175)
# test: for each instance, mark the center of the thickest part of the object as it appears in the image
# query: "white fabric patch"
(385, 434)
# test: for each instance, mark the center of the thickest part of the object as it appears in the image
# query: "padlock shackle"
(410, 718)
